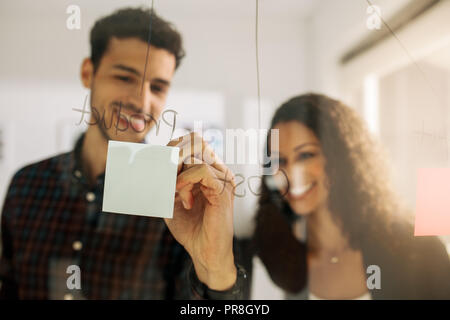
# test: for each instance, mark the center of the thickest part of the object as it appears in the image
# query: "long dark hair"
(360, 196)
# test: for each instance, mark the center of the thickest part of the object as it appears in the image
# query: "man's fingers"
(194, 150)
(205, 175)
(184, 194)
(190, 145)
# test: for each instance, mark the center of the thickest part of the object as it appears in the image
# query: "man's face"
(124, 107)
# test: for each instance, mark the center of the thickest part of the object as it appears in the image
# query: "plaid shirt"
(52, 219)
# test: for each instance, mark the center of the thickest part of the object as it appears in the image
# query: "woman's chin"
(303, 214)
(301, 210)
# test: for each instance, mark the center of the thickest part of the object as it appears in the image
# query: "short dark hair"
(135, 23)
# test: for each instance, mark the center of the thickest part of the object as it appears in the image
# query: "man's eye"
(156, 88)
(124, 78)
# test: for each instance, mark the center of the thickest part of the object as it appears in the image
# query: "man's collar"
(76, 166)
(73, 168)
(77, 153)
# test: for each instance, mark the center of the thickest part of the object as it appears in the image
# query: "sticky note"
(140, 179)
(432, 202)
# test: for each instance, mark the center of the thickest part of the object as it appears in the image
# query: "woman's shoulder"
(411, 266)
(418, 246)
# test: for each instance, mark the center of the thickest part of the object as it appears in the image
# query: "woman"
(328, 225)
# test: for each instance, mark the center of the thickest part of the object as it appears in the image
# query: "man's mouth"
(300, 192)
(135, 121)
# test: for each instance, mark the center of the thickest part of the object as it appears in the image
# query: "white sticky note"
(140, 179)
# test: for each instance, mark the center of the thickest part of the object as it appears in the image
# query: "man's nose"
(142, 98)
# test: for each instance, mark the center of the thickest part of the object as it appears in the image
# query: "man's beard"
(102, 121)
(104, 132)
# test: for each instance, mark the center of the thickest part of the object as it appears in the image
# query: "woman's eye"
(306, 155)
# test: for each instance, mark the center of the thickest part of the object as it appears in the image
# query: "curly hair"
(360, 196)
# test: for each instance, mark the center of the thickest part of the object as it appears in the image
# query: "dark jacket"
(411, 267)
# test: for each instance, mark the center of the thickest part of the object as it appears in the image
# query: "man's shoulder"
(42, 170)
(33, 181)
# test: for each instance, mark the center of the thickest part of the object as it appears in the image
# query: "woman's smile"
(299, 193)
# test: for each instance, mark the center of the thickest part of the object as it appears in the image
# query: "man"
(52, 222)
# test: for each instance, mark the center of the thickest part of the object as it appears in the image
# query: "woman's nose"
(296, 176)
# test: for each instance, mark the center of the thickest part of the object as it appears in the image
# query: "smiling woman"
(338, 192)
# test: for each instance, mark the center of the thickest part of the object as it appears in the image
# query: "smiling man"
(52, 217)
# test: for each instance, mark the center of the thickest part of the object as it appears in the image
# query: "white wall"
(335, 28)
(408, 107)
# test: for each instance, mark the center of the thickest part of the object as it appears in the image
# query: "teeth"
(138, 124)
(298, 191)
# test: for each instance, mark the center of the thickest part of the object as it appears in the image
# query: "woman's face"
(300, 160)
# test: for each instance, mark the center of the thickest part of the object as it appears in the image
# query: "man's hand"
(203, 213)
